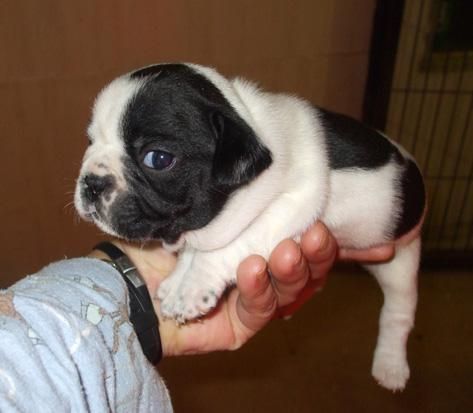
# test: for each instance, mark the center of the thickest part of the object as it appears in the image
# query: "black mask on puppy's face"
(167, 150)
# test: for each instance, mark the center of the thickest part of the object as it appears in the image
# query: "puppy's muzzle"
(96, 195)
(94, 187)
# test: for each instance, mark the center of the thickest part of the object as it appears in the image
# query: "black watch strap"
(142, 314)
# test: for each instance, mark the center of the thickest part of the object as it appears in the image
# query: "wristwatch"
(142, 315)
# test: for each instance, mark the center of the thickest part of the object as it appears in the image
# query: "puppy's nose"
(95, 185)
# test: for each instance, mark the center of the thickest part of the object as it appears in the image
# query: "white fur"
(299, 168)
(105, 156)
(398, 281)
(359, 206)
(362, 206)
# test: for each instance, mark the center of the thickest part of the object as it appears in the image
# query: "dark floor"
(320, 360)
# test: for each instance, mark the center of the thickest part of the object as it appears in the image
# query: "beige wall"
(56, 54)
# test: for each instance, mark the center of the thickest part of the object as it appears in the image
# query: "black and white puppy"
(219, 169)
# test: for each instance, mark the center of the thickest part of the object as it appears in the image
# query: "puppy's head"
(166, 151)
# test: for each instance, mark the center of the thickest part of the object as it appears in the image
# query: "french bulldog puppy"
(218, 169)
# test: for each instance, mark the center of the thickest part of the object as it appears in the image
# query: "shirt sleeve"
(66, 344)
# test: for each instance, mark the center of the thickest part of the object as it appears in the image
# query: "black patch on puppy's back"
(412, 192)
(351, 144)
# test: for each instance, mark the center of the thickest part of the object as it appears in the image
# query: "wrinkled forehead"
(109, 109)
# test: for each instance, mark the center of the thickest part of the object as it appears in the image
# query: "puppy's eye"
(159, 160)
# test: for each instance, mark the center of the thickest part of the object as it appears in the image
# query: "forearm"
(68, 328)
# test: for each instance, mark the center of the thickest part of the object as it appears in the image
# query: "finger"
(256, 301)
(320, 249)
(289, 271)
(299, 271)
(375, 254)
(305, 295)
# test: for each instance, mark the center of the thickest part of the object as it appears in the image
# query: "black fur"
(176, 75)
(239, 156)
(413, 199)
(351, 144)
(97, 187)
(181, 112)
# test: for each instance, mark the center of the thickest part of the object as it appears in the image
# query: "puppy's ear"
(239, 156)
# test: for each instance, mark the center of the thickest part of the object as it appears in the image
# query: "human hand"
(320, 249)
(264, 290)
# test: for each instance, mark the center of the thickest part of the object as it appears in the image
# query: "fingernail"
(260, 272)
(321, 239)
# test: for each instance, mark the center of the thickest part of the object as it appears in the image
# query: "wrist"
(99, 255)
(154, 263)
(142, 312)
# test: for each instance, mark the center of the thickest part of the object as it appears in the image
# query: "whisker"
(69, 205)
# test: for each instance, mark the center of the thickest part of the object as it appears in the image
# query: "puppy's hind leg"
(398, 281)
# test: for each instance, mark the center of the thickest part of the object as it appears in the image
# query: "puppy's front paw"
(390, 371)
(187, 300)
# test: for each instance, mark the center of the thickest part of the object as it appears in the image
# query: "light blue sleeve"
(66, 345)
